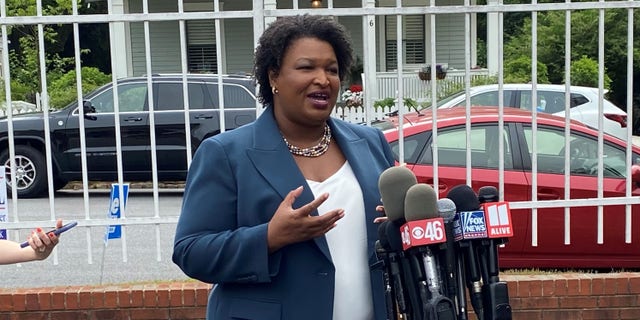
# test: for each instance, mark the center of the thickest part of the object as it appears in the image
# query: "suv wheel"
(31, 174)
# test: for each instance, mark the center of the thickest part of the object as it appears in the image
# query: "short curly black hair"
(279, 35)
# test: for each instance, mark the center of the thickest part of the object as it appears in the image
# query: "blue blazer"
(235, 184)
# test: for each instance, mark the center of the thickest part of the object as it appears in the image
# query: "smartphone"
(56, 231)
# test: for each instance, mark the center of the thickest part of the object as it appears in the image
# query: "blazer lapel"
(273, 161)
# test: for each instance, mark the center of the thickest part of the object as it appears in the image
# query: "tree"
(23, 54)
(584, 44)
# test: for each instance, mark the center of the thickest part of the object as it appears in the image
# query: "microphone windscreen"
(393, 184)
(382, 235)
(394, 237)
(420, 203)
(488, 194)
(446, 209)
(464, 198)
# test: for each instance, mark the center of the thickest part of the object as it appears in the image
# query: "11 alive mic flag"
(4, 217)
(115, 209)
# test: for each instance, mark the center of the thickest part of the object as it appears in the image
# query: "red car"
(583, 250)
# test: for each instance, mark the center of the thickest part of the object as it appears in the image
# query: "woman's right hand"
(289, 225)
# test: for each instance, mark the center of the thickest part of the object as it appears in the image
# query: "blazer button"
(324, 274)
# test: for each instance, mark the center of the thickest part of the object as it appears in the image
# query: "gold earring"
(274, 90)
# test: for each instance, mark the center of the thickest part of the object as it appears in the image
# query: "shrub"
(584, 72)
(62, 90)
(519, 71)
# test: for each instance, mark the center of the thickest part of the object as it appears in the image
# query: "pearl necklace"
(314, 151)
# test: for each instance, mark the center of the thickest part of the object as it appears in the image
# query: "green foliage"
(584, 72)
(584, 43)
(24, 62)
(519, 71)
(391, 102)
(386, 102)
(63, 91)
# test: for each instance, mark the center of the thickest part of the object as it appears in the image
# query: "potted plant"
(441, 72)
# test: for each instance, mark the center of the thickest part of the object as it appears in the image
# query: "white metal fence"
(261, 13)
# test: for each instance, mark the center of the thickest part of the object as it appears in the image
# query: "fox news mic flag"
(468, 227)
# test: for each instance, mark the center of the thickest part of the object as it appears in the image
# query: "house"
(237, 35)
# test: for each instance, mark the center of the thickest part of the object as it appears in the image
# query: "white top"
(348, 245)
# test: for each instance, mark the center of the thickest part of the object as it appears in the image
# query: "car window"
(235, 96)
(170, 96)
(131, 97)
(452, 144)
(489, 99)
(548, 101)
(413, 146)
(578, 99)
(583, 153)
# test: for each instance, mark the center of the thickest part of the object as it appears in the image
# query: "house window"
(413, 32)
(201, 46)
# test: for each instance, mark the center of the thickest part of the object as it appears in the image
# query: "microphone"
(385, 255)
(469, 225)
(393, 184)
(422, 235)
(498, 218)
(403, 277)
(452, 271)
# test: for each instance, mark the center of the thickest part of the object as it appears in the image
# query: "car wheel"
(31, 174)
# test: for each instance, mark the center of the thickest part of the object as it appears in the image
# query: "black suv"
(100, 134)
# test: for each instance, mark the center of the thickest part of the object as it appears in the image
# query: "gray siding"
(239, 45)
(450, 40)
(238, 37)
(164, 40)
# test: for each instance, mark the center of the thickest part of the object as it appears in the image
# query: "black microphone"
(489, 247)
(423, 235)
(406, 292)
(393, 184)
(494, 291)
(452, 274)
(468, 225)
(385, 255)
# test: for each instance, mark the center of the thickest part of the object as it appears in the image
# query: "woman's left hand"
(43, 243)
(380, 219)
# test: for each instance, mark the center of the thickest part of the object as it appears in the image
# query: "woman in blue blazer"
(279, 214)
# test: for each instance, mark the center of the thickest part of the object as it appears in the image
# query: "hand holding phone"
(56, 231)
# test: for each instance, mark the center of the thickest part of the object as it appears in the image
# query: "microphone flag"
(423, 232)
(498, 219)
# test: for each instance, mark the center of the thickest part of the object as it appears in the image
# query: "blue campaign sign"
(3, 203)
(115, 231)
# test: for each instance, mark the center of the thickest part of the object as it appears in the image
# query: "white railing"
(17, 107)
(420, 90)
(413, 88)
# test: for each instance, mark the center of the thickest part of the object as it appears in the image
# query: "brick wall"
(532, 297)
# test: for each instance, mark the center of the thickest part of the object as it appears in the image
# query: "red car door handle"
(547, 195)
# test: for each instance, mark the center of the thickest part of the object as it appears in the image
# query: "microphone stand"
(389, 292)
